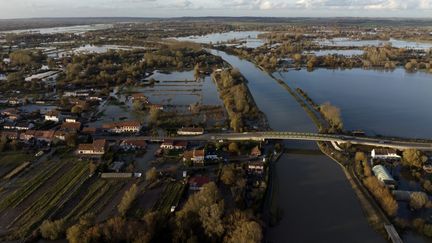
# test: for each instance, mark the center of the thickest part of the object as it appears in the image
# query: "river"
(317, 202)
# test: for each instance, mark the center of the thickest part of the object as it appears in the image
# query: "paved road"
(261, 136)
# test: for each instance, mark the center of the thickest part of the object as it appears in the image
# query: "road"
(399, 143)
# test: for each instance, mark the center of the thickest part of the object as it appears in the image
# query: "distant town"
(216, 130)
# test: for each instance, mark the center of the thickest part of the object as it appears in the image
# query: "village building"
(12, 135)
(53, 115)
(256, 167)
(140, 97)
(133, 144)
(197, 156)
(196, 183)
(382, 153)
(384, 176)
(11, 114)
(89, 130)
(98, 147)
(123, 127)
(188, 131)
(38, 135)
(256, 151)
(71, 126)
(174, 144)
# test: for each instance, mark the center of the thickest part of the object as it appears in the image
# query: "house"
(140, 97)
(173, 144)
(53, 115)
(18, 125)
(117, 166)
(156, 106)
(98, 147)
(13, 135)
(3, 77)
(122, 127)
(38, 135)
(384, 176)
(12, 114)
(71, 126)
(89, 130)
(383, 153)
(190, 131)
(133, 144)
(196, 183)
(197, 156)
(61, 135)
(256, 167)
(256, 151)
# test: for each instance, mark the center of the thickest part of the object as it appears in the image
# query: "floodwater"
(181, 88)
(317, 201)
(77, 29)
(362, 43)
(394, 103)
(347, 53)
(249, 37)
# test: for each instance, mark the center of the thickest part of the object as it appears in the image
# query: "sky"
(179, 8)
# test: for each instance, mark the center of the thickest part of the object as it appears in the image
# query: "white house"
(53, 115)
(190, 131)
(384, 154)
(123, 127)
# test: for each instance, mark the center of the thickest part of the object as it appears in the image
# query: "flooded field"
(394, 103)
(347, 53)
(245, 38)
(363, 43)
(78, 29)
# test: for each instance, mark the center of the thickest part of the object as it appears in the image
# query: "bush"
(52, 230)
(127, 200)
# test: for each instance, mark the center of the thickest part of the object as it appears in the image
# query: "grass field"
(48, 201)
(11, 160)
(170, 197)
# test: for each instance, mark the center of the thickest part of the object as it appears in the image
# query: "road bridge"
(398, 143)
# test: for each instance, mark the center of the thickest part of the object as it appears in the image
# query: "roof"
(53, 113)
(194, 153)
(71, 125)
(89, 130)
(135, 142)
(199, 181)
(384, 151)
(381, 172)
(121, 124)
(191, 129)
(97, 145)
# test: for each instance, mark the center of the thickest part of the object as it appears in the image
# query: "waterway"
(316, 200)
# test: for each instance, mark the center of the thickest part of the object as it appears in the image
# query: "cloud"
(366, 4)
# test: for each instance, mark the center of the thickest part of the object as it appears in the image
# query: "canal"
(316, 201)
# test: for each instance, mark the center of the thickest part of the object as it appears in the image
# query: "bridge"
(396, 143)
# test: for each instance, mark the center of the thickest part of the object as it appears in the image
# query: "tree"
(332, 115)
(228, 176)
(74, 234)
(76, 109)
(418, 200)
(211, 218)
(151, 175)
(52, 230)
(154, 114)
(128, 198)
(413, 157)
(246, 232)
(233, 148)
